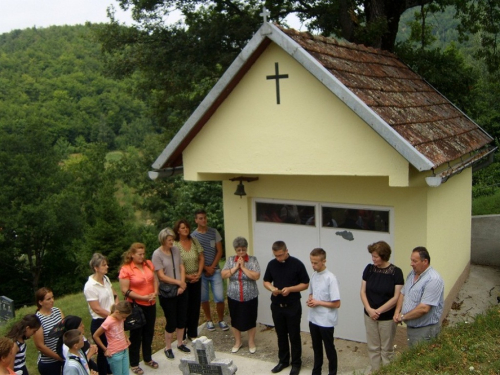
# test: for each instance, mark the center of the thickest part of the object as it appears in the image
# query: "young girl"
(116, 350)
(6, 355)
(21, 331)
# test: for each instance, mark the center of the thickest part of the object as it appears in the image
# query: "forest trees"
(58, 192)
(179, 63)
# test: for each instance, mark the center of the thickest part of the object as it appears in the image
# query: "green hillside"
(54, 76)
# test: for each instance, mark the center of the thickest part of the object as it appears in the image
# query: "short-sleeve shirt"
(76, 365)
(190, 257)
(208, 241)
(141, 281)
(102, 293)
(115, 334)
(428, 289)
(162, 261)
(241, 287)
(324, 287)
(291, 272)
(380, 286)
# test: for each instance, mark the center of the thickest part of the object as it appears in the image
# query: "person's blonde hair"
(164, 234)
(127, 255)
(122, 307)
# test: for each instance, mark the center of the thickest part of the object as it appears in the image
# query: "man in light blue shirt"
(421, 301)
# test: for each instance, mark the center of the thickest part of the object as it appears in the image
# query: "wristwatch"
(402, 317)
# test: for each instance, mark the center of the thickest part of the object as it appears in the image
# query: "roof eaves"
(219, 88)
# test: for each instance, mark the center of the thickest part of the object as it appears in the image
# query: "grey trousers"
(426, 333)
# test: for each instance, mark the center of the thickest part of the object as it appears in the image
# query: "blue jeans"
(119, 363)
(217, 287)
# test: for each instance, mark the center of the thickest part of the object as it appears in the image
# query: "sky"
(22, 14)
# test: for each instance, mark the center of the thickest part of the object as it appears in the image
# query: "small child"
(76, 361)
(324, 301)
(19, 333)
(116, 351)
(6, 355)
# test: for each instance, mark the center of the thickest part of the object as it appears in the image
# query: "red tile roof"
(402, 98)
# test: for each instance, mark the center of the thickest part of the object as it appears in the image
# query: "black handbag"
(167, 290)
(136, 319)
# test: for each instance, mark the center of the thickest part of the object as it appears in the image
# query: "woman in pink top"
(138, 283)
(116, 349)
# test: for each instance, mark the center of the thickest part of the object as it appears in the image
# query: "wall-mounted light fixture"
(240, 189)
(434, 181)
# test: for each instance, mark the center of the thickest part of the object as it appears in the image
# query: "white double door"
(347, 256)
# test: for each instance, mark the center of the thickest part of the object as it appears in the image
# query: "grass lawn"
(75, 304)
(467, 348)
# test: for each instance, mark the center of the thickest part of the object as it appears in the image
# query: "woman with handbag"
(193, 259)
(139, 284)
(100, 296)
(169, 268)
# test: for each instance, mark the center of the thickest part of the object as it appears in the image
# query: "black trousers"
(287, 324)
(50, 368)
(193, 309)
(320, 336)
(102, 362)
(144, 336)
(175, 310)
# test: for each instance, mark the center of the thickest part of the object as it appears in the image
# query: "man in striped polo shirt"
(421, 300)
(211, 241)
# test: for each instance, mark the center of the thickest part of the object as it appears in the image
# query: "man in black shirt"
(286, 277)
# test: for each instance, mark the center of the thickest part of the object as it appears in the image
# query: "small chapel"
(324, 143)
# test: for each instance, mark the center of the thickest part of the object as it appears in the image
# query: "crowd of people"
(183, 270)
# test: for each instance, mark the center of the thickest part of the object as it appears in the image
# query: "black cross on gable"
(277, 76)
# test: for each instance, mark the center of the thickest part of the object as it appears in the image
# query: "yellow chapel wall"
(312, 147)
(311, 132)
(449, 229)
(437, 218)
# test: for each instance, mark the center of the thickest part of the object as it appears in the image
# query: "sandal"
(137, 370)
(151, 364)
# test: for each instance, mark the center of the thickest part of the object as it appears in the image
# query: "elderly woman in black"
(243, 271)
(169, 268)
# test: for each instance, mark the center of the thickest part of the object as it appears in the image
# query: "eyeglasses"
(241, 250)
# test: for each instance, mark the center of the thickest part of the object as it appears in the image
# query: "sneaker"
(223, 325)
(210, 326)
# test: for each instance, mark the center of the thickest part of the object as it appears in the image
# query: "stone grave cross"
(204, 361)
